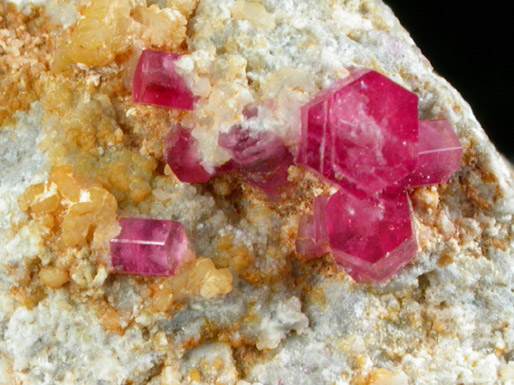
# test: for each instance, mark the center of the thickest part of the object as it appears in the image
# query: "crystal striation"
(363, 135)
(362, 131)
(149, 247)
(157, 82)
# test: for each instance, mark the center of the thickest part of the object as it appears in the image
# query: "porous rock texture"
(445, 319)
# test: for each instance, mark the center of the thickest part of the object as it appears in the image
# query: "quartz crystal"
(149, 247)
(181, 151)
(363, 129)
(157, 82)
(312, 239)
(371, 237)
(440, 153)
(261, 157)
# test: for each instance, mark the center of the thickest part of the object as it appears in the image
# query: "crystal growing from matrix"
(157, 82)
(363, 136)
(149, 247)
(364, 129)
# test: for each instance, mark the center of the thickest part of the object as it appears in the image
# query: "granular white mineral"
(445, 319)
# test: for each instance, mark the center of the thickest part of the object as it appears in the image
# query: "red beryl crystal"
(261, 157)
(181, 151)
(149, 247)
(440, 154)
(157, 82)
(372, 238)
(363, 129)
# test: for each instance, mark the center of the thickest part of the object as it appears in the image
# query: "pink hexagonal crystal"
(372, 238)
(157, 82)
(363, 129)
(261, 157)
(181, 151)
(149, 247)
(440, 154)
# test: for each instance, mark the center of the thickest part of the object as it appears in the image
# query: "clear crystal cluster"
(361, 135)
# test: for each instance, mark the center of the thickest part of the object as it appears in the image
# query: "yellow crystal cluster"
(77, 210)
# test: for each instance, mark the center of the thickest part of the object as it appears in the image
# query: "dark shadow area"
(468, 45)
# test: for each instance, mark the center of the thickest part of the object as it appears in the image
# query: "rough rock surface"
(445, 319)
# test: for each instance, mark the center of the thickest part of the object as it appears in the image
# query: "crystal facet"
(372, 237)
(182, 156)
(149, 247)
(261, 157)
(312, 239)
(363, 129)
(157, 82)
(440, 154)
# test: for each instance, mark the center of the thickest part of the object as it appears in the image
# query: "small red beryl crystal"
(371, 237)
(261, 158)
(181, 151)
(363, 135)
(149, 247)
(157, 82)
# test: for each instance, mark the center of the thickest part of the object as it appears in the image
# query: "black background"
(468, 44)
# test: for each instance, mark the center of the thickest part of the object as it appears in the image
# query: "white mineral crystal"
(446, 319)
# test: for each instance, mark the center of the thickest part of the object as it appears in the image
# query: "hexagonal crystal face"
(372, 238)
(362, 131)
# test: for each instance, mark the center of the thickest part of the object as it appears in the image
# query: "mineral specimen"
(149, 247)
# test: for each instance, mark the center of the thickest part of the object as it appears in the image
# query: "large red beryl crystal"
(440, 154)
(157, 82)
(261, 157)
(363, 130)
(181, 151)
(371, 237)
(149, 247)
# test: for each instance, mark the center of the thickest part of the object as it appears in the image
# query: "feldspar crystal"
(261, 157)
(181, 151)
(157, 82)
(440, 153)
(149, 247)
(363, 130)
(371, 237)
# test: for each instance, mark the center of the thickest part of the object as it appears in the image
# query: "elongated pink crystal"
(440, 154)
(260, 157)
(363, 129)
(157, 82)
(181, 153)
(149, 247)
(372, 238)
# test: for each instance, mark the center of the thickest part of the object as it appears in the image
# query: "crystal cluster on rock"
(157, 82)
(363, 136)
(149, 247)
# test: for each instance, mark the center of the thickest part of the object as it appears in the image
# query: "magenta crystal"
(149, 247)
(312, 238)
(363, 129)
(181, 153)
(372, 238)
(440, 154)
(157, 82)
(261, 157)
